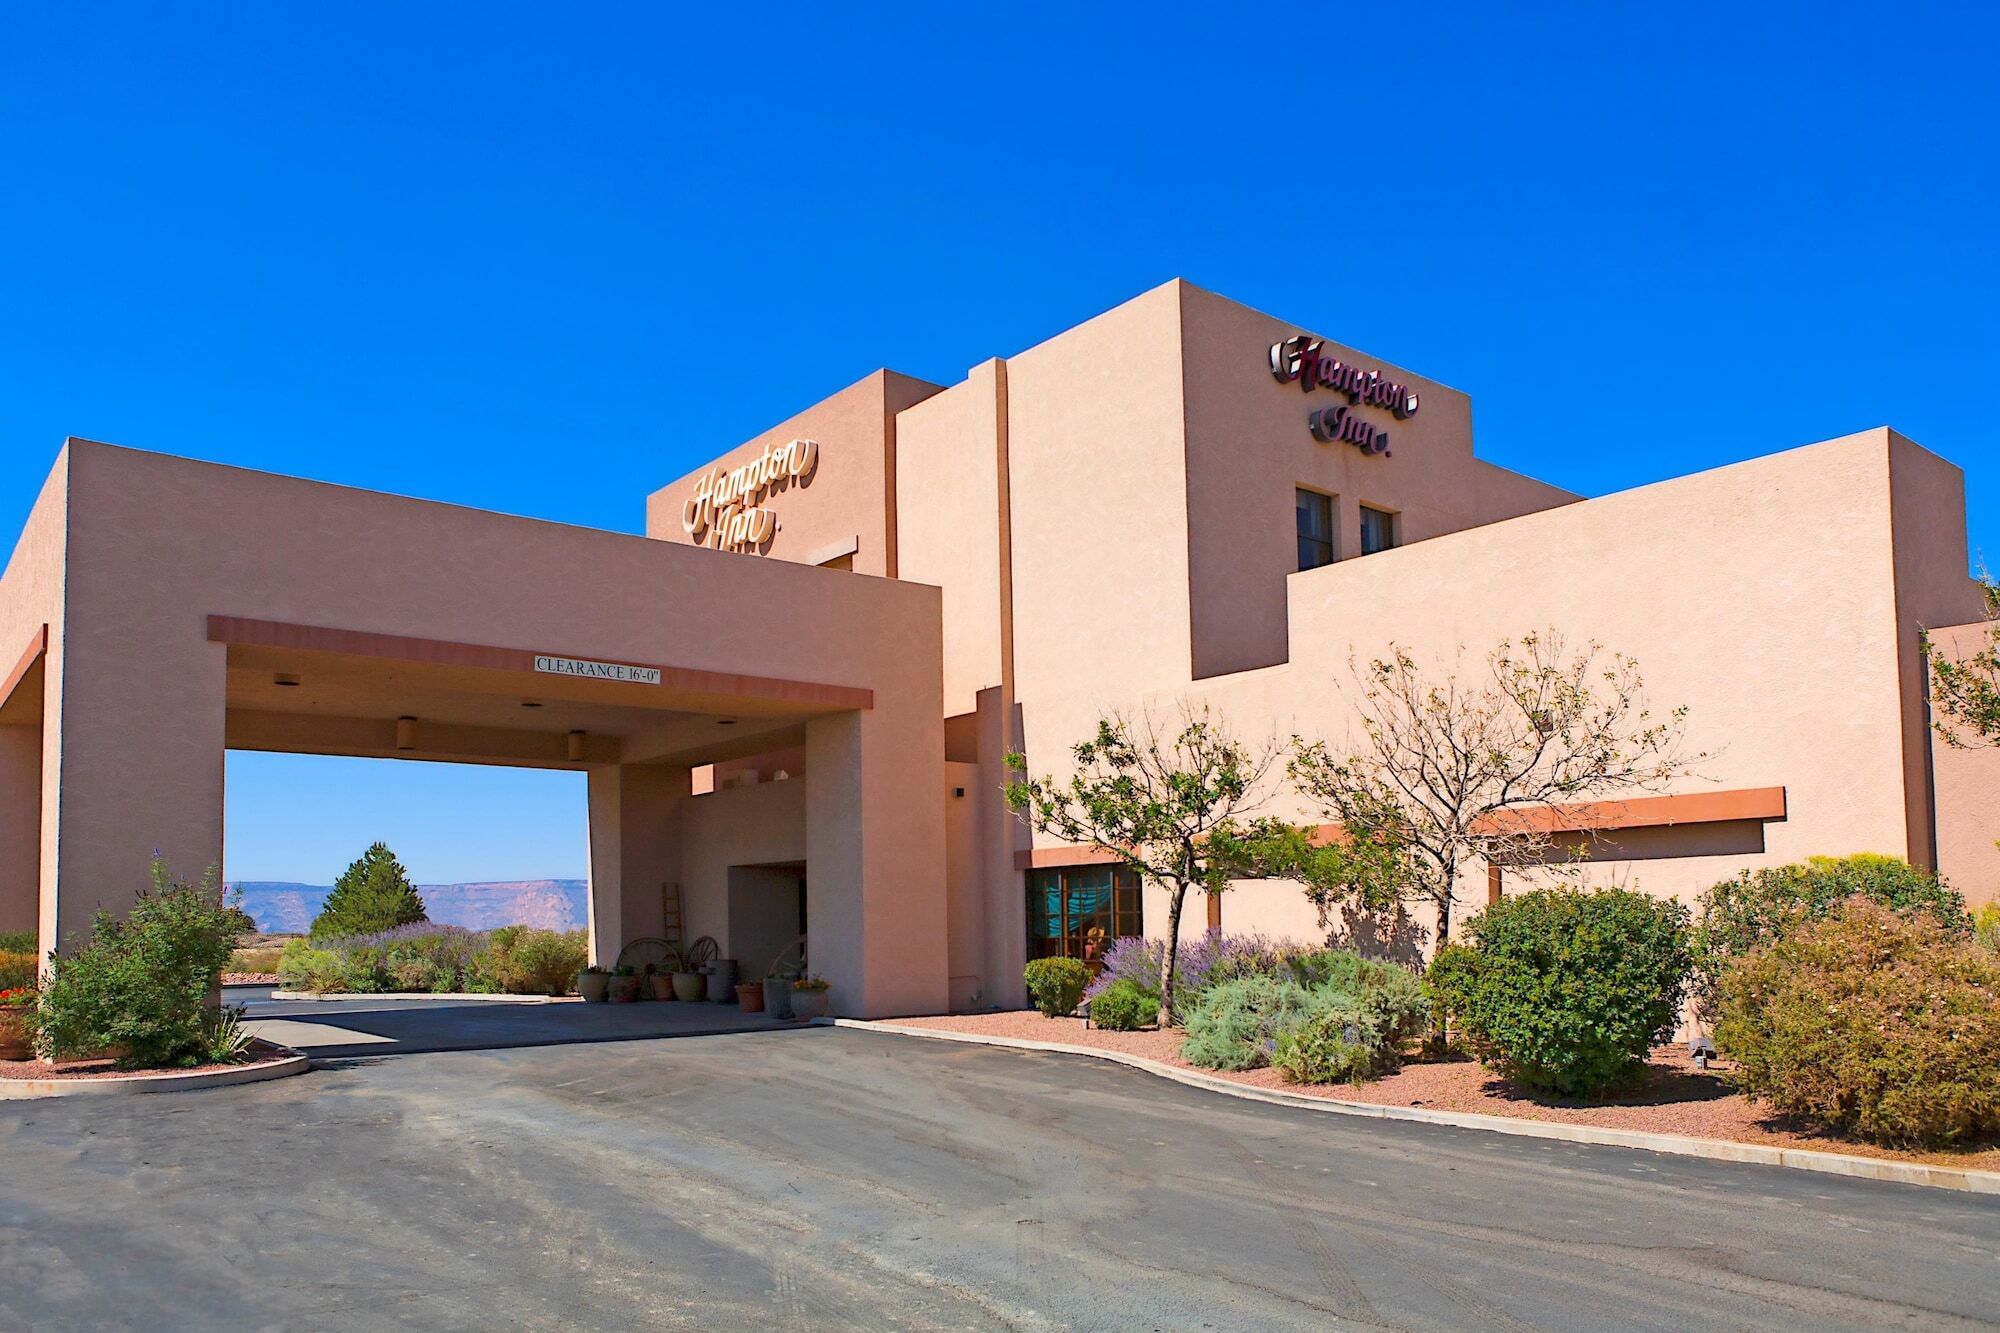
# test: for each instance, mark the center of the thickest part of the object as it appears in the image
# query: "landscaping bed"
(259, 1053)
(1677, 1098)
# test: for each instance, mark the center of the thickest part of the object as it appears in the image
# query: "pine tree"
(373, 894)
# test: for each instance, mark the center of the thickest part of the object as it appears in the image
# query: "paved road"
(826, 1178)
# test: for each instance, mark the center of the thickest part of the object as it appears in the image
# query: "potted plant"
(624, 986)
(809, 997)
(778, 996)
(690, 985)
(660, 981)
(17, 1037)
(594, 984)
(750, 997)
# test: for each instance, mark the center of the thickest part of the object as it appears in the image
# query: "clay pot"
(663, 985)
(809, 1004)
(624, 990)
(690, 986)
(14, 1042)
(750, 997)
(594, 987)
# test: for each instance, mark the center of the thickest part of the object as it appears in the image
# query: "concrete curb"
(165, 1080)
(355, 997)
(1680, 1145)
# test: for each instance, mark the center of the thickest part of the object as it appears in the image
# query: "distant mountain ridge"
(283, 907)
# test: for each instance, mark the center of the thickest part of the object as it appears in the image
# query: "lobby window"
(1315, 529)
(1077, 911)
(1378, 530)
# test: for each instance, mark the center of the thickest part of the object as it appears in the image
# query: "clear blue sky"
(543, 258)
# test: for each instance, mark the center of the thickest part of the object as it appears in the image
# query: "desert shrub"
(1130, 958)
(20, 941)
(1757, 907)
(1125, 1007)
(225, 1040)
(1448, 983)
(141, 986)
(254, 960)
(1056, 984)
(1986, 926)
(1356, 1021)
(18, 969)
(416, 975)
(1205, 961)
(1235, 1024)
(303, 967)
(1872, 1022)
(521, 960)
(1567, 991)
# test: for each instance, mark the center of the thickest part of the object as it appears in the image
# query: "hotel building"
(792, 695)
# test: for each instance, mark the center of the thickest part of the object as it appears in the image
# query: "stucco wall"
(31, 597)
(738, 826)
(1249, 449)
(850, 495)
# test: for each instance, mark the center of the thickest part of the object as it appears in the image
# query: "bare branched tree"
(1451, 768)
(1169, 802)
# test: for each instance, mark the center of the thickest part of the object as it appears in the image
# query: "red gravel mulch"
(260, 1052)
(1677, 1098)
(249, 978)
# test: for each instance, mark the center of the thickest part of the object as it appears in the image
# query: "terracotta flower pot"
(624, 990)
(14, 1041)
(663, 985)
(594, 987)
(750, 997)
(690, 986)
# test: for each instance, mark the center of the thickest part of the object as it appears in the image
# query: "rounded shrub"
(1235, 1025)
(1567, 991)
(1757, 907)
(1124, 1006)
(523, 960)
(1056, 984)
(1350, 1035)
(1872, 1022)
(18, 968)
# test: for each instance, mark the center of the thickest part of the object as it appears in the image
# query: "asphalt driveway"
(831, 1178)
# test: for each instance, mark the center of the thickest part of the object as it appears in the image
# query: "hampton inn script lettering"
(723, 511)
(1300, 360)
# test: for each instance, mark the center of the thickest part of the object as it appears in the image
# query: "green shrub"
(1448, 983)
(414, 975)
(1235, 1025)
(1056, 984)
(1125, 1006)
(1348, 1035)
(20, 941)
(303, 967)
(254, 960)
(18, 969)
(1870, 1022)
(1567, 991)
(142, 985)
(1757, 907)
(521, 960)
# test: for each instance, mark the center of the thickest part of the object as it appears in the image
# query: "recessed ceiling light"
(529, 703)
(285, 679)
(725, 722)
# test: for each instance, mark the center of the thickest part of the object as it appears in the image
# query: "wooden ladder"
(670, 913)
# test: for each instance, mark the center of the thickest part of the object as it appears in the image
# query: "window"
(1315, 529)
(1378, 530)
(1076, 911)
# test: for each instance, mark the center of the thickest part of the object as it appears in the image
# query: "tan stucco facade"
(1105, 521)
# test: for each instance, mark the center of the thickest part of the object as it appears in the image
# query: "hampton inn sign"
(1299, 359)
(723, 511)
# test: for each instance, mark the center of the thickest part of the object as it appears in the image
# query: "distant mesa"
(282, 908)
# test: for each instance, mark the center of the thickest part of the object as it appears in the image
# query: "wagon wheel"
(650, 954)
(701, 953)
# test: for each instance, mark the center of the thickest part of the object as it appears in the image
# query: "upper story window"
(1378, 530)
(1315, 529)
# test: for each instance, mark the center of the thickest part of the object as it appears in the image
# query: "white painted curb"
(353, 997)
(1680, 1145)
(165, 1080)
